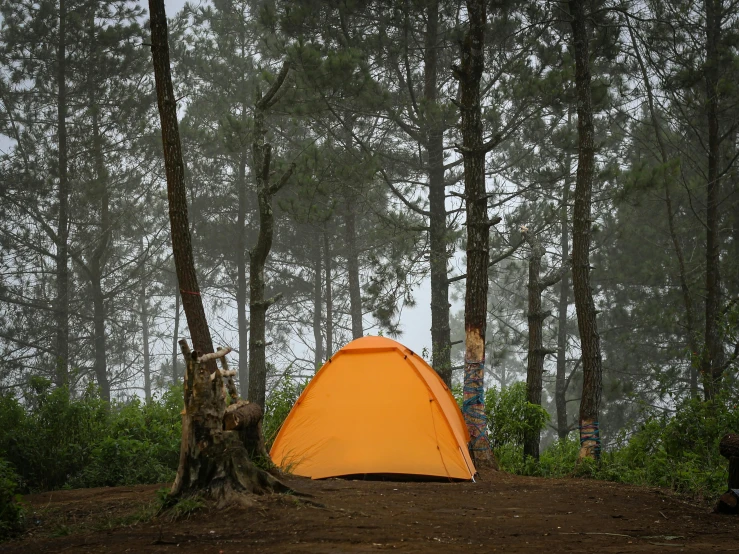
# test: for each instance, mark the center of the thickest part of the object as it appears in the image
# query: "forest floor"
(500, 513)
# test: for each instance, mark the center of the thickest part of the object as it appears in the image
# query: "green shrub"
(12, 512)
(279, 403)
(510, 415)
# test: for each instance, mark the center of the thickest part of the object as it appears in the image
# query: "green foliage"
(281, 400)
(60, 441)
(12, 511)
(678, 452)
(510, 416)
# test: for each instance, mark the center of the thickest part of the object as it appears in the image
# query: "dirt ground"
(500, 513)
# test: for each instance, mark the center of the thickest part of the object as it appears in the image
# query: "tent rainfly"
(374, 408)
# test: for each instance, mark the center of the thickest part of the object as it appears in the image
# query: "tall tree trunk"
(241, 249)
(712, 360)
(536, 351)
(61, 350)
(441, 342)
(317, 305)
(100, 252)
(213, 461)
(535, 363)
(144, 308)
(352, 267)
(581, 229)
(175, 337)
(690, 329)
(329, 298)
(478, 230)
(258, 304)
(187, 279)
(560, 392)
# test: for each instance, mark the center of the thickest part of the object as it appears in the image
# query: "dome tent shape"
(374, 408)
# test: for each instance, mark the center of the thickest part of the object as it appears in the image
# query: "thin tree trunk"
(317, 305)
(441, 347)
(665, 159)
(560, 393)
(535, 363)
(175, 337)
(241, 250)
(258, 304)
(144, 307)
(61, 350)
(478, 231)
(187, 280)
(100, 252)
(712, 360)
(352, 266)
(329, 298)
(581, 229)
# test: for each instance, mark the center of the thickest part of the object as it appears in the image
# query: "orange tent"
(374, 407)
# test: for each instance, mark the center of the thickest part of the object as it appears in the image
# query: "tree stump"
(218, 444)
(729, 501)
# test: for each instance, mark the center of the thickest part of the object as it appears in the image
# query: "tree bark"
(478, 231)
(560, 392)
(317, 306)
(100, 252)
(441, 347)
(213, 462)
(535, 363)
(187, 280)
(258, 304)
(581, 229)
(241, 250)
(175, 337)
(712, 359)
(61, 350)
(352, 267)
(329, 298)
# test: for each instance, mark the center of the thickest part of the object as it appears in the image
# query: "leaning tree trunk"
(241, 277)
(478, 232)
(584, 304)
(258, 304)
(213, 462)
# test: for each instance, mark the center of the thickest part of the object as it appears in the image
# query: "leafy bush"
(281, 400)
(510, 415)
(12, 512)
(82, 442)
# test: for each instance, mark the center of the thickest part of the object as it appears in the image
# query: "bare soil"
(499, 513)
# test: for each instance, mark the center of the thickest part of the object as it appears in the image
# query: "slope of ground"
(499, 513)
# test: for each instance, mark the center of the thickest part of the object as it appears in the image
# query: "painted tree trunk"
(329, 298)
(317, 305)
(478, 231)
(438, 254)
(241, 251)
(187, 280)
(61, 349)
(581, 229)
(712, 360)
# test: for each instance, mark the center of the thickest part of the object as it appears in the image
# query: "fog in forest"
(541, 203)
